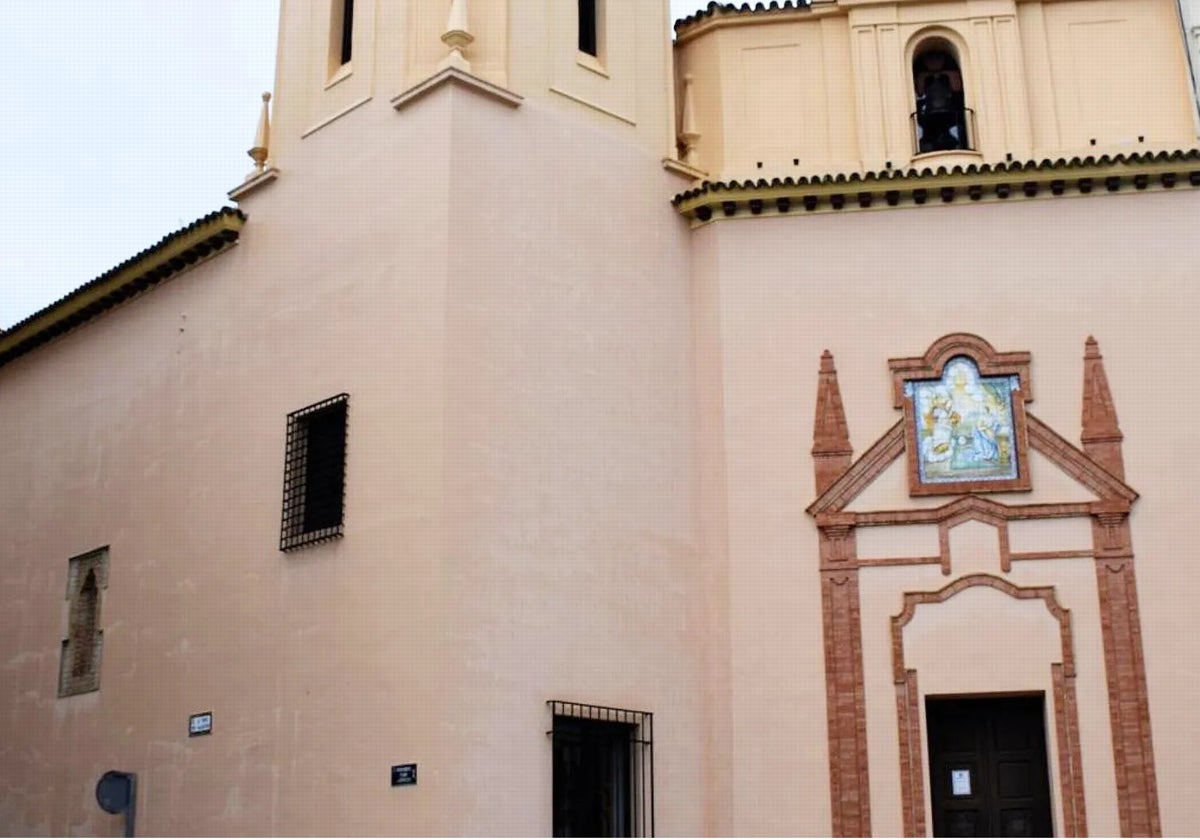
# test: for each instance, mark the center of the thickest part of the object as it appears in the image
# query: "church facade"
(577, 432)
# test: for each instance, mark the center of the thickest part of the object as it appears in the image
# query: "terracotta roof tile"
(715, 8)
(169, 256)
(880, 178)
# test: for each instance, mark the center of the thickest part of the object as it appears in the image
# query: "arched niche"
(941, 116)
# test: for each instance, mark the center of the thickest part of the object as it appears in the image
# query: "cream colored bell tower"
(337, 57)
(480, 192)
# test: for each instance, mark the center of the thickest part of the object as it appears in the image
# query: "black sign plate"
(404, 774)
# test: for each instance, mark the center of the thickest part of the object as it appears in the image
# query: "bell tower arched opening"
(942, 122)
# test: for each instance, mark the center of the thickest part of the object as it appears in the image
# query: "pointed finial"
(1101, 430)
(457, 37)
(688, 135)
(831, 449)
(262, 139)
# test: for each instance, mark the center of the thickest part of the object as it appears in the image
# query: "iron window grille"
(603, 771)
(314, 474)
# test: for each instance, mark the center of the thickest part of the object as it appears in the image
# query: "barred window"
(603, 771)
(79, 666)
(314, 474)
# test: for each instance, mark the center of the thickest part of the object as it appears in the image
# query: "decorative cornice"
(467, 81)
(880, 190)
(976, 508)
(253, 183)
(681, 168)
(173, 255)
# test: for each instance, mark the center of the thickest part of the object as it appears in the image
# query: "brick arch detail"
(932, 364)
(1097, 466)
(974, 514)
(1066, 710)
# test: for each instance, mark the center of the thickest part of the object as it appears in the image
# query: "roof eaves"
(808, 191)
(172, 255)
(716, 10)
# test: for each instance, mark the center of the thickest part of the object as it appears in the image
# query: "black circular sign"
(114, 791)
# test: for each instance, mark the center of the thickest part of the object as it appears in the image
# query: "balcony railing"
(949, 130)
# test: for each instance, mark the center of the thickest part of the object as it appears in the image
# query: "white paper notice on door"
(960, 782)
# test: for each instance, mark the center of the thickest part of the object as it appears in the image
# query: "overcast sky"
(126, 120)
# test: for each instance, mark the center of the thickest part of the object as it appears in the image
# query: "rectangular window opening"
(341, 34)
(589, 27)
(603, 773)
(347, 30)
(314, 476)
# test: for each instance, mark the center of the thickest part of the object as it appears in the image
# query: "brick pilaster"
(1128, 702)
(849, 780)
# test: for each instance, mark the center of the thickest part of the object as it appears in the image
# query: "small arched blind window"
(84, 631)
(79, 671)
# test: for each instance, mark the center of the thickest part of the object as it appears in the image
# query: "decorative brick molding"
(1128, 706)
(933, 362)
(1078, 463)
(1128, 703)
(1066, 721)
(1101, 431)
(1098, 466)
(1066, 713)
(986, 517)
(831, 449)
(1045, 593)
(862, 472)
(912, 774)
(846, 708)
(973, 507)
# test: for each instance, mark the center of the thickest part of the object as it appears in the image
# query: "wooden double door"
(988, 769)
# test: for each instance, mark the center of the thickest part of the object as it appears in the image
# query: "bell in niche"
(940, 113)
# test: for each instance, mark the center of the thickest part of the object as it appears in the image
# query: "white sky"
(127, 119)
